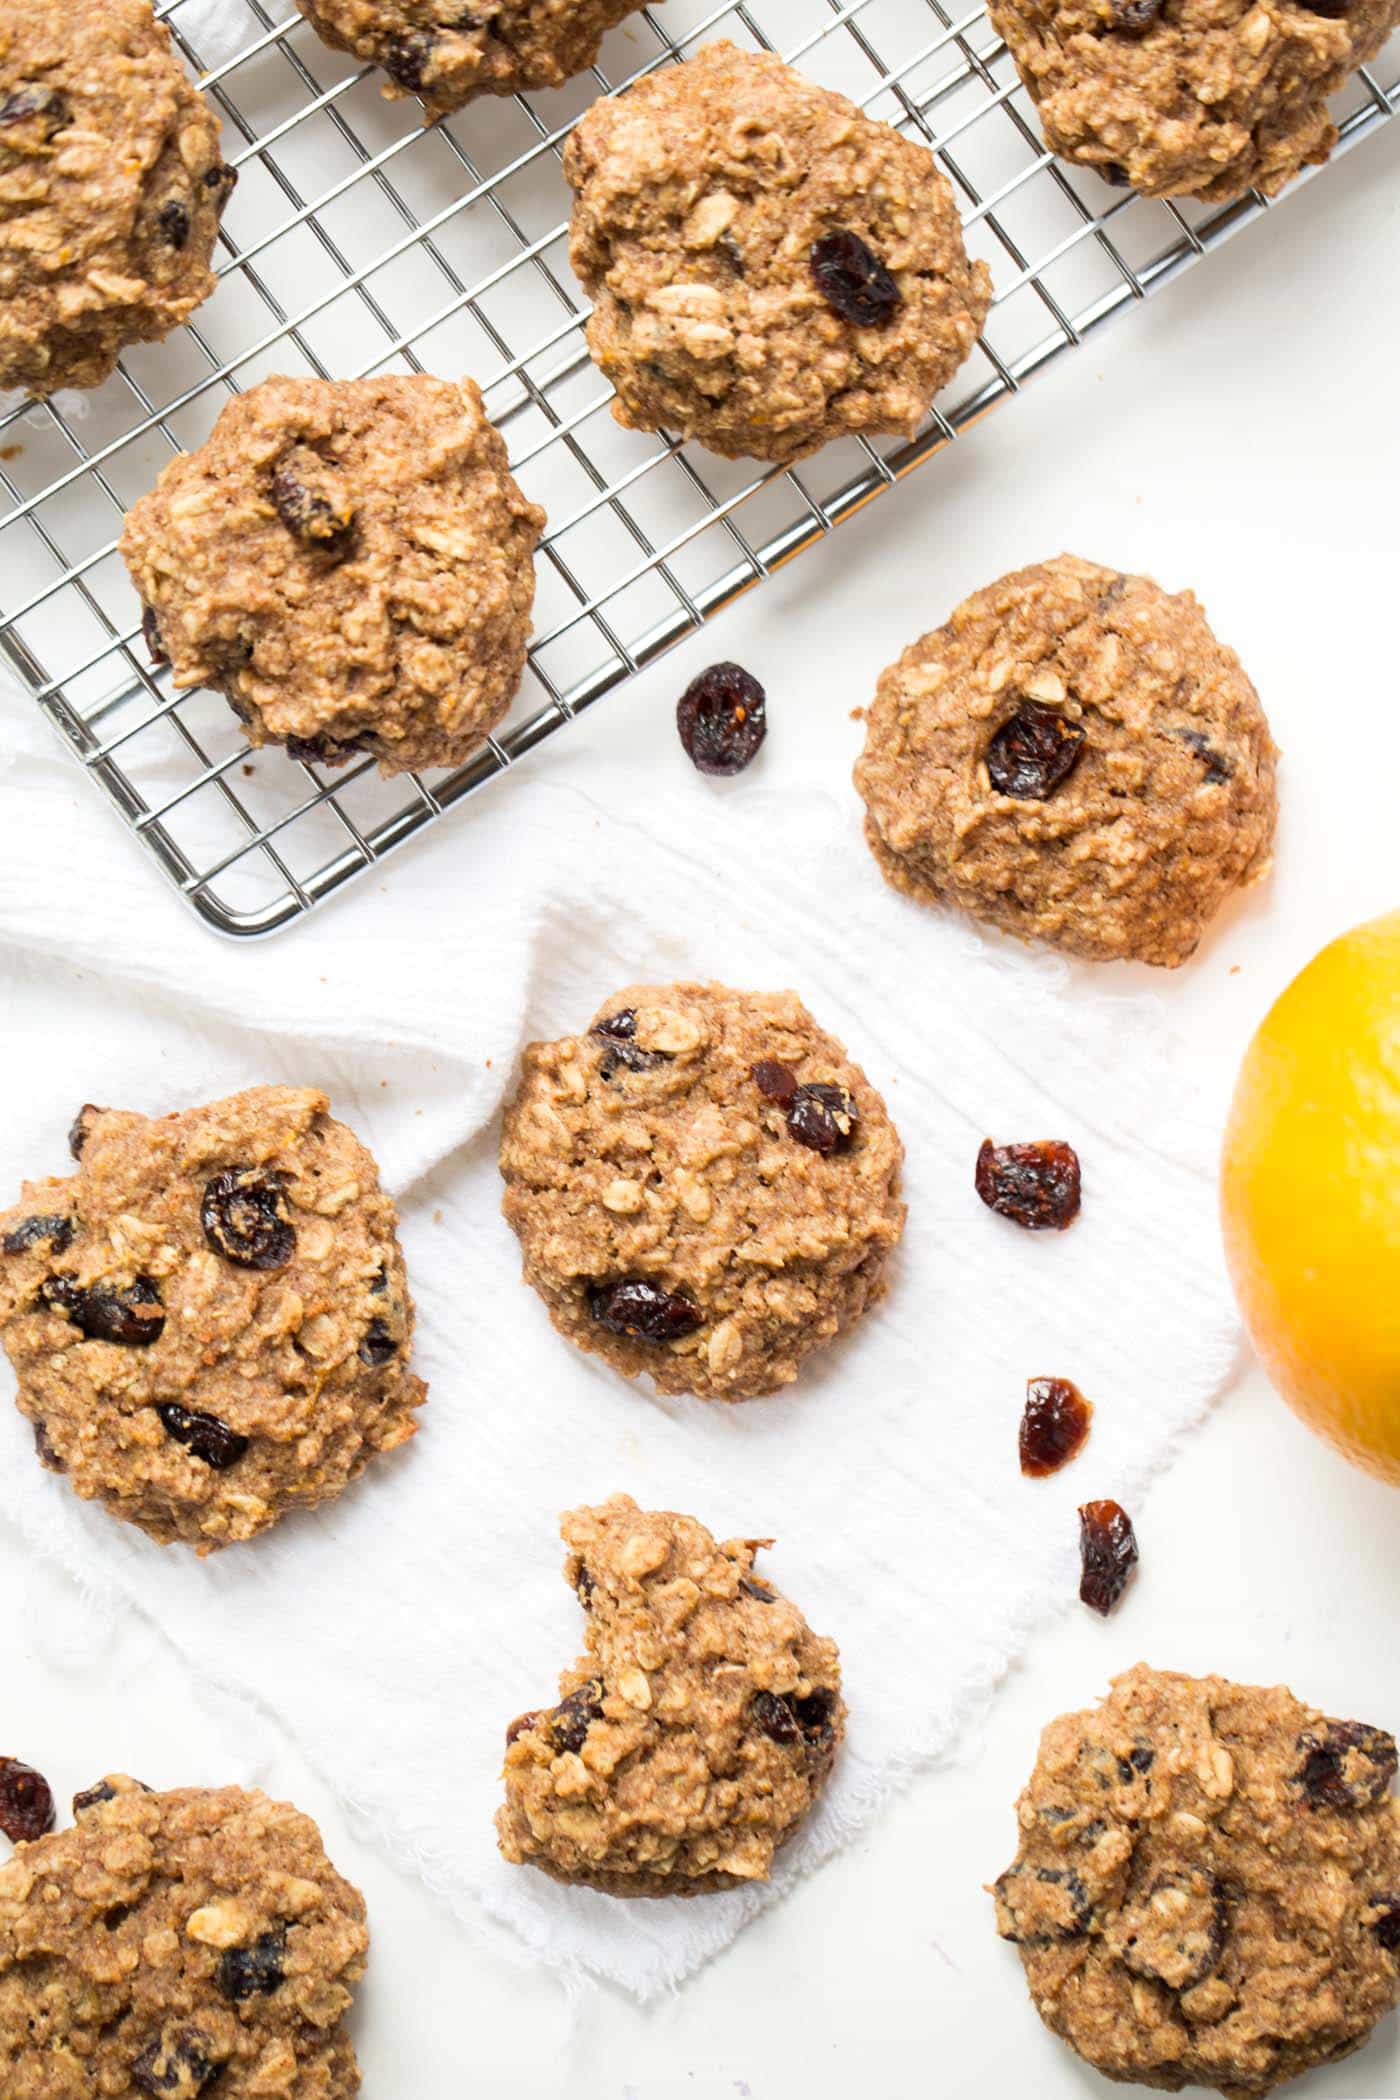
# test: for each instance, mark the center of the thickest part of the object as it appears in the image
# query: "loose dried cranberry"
(775, 1718)
(204, 1436)
(823, 1118)
(620, 1051)
(408, 58)
(1054, 1426)
(1345, 1764)
(1135, 17)
(173, 220)
(1387, 1926)
(634, 1307)
(1036, 1905)
(128, 1314)
(177, 2065)
(79, 1128)
(247, 1219)
(853, 280)
(22, 103)
(307, 514)
(1034, 752)
(722, 717)
(26, 1805)
(245, 1972)
(1108, 1552)
(1036, 1185)
(33, 1232)
(1217, 767)
(776, 1082)
(573, 1717)
(377, 1345)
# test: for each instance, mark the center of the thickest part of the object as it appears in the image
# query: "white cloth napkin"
(396, 1632)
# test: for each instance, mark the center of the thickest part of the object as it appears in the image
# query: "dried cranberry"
(1386, 1927)
(247, 1219)
(1178, 1941)
(93, 1797)
(620, 1051)
(776, 1082)
(518, 1727)
(1217, 767)
(1115, 174)
(326, 750)
(204, 1436)
(1330, 10)
(173, 220)
(1036, 1905)
(408, 58)
(1345, 1764)
(1036, 1185)
(245, 1972)
(757, 1591)
(823, 1118)
(775, 1718)
(853, 280)
(573, 1717)
(814, 1713)
(722, 717)
(22, 103)
(584, 1587)
(309, 515)
(177, 2065)
(26, 1805)
(223, 180)
(378, 1344)
(1135, 17)
(128, 1314)
(78, 1129)
(634, 1307)
(1108, 1552)
(1054, 1426)
(33, 1232)
(1034, 752)
(48, 1457)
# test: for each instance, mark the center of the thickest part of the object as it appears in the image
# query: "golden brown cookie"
(769, 267)
(1075, 759)
(209, 1321)
(704, 1186)
(1207, 1887)
(177, 1945)
(350, 562)
(111, 187)
(692, 1738)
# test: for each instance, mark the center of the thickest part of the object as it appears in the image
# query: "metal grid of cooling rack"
(358, 241)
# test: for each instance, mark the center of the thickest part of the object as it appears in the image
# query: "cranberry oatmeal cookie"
(111, 187)
(704, 1186)
(209, 1321)
(178, 1944)
(450, 51)
(349, 562)
(1207, 1890)
(1196, 98)
(1075, 759)
(692, 1738)
(769, 267)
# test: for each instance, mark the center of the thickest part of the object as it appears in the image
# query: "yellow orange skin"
(1310, 1194)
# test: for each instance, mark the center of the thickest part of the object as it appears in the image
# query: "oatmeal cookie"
(704, 1186)
(1207, 1890)
(1073, 758)
(209, 1321)
(178, 1944)
(692, 1738)
(769, 267)
(449, 53)
(111, 187)
(1195, 98)
(350, 563)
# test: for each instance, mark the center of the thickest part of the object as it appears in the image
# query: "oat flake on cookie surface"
(1074, 759)
(1207, 1887)
(713, 202)
(694, 1735)
(209, 1320)
(350, 562)
(177, 1945)
(111, 187)
(704, 1186)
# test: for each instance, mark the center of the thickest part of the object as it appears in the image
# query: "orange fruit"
(1310, 1194)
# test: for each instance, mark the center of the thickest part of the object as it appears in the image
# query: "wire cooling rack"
(357, 242)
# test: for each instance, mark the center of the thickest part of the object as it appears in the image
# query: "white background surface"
(1240, 435)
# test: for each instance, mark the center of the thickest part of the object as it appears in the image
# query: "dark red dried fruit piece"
(79, 1129)
(326, 751)
(1217, 766)
(584, 1587)
(634, 1307)
(518, 1727)
(1037, 1185)
(34, 1232)
(319, 519)
(1386, 1926)
(722, 717)
(1135, 17)
(23, 105)
(247, 1218)
(823, 1118)
(757, 1590)
(150, 633)
(853, 280)
(204, 1436)
(620, 1051)
(814, 1715)
(173, 219)
(129, 1314)
(1036, 1905)
(1034, 752)
(408, 58)
(1330, 10)
(1054, 1427)
(573, 1717)
(1115, 174)
(775, 1081)
(378, 1345)
(48, 1457)
(224, 181)
(245, 1972)
(26, 1805)
(177, 2065)
(1345, 1764)
(1108, 1552)
(1180, 1943)
(775, 1718)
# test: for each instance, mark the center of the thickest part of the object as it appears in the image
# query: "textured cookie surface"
(111, 186)
(209, 1321)
(350, 562)
(176, 1945)
(699, 198)
(1073, 758)
(1207, 1890)
(677, 1218)
(1199, 98)
(448, 53)
(693, 1736)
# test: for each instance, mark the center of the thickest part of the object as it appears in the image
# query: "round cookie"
(209, 1321)
(349, 562)
(178, 1944)
(1207, 1889)
(693, 1737)
(111, 187)
(704, 1186)
(1075, 759)
(449, 53)
(769, 267)
(1195, 98)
